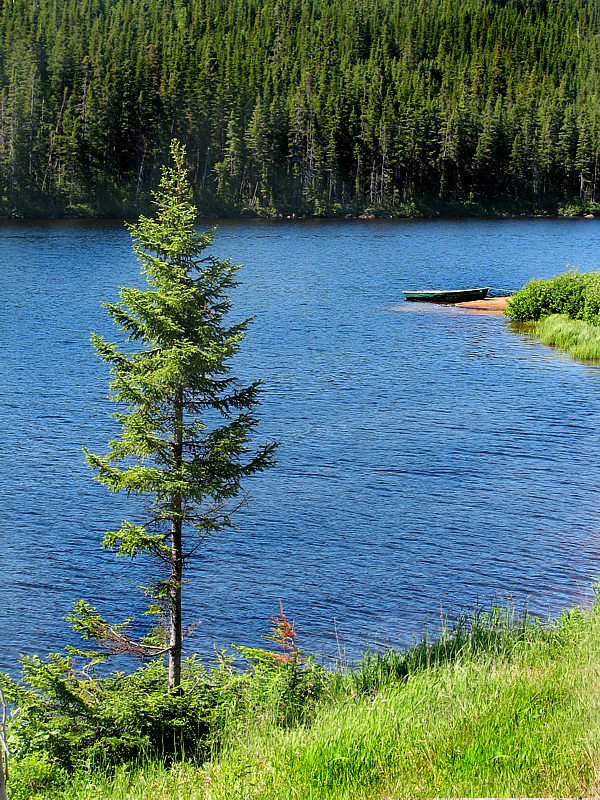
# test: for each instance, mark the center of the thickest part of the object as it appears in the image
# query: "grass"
(495, 707)
(564, 312)
(579, 339)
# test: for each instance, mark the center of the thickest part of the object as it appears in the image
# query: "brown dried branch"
(118, 643)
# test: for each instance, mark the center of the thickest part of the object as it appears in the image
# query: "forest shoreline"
(366, 215)
(322, 108)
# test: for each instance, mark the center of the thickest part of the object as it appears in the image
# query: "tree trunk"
(175, 579)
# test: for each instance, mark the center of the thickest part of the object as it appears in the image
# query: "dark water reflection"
(427, 458)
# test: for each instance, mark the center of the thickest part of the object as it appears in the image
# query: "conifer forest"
(318, 107)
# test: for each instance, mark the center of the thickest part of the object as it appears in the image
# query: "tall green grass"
(579, 339)
(497, 706)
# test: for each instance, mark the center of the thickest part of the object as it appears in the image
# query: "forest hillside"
(301, 106)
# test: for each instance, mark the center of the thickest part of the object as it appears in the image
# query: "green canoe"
(447, 295)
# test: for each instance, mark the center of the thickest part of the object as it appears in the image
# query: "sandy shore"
(491, 305)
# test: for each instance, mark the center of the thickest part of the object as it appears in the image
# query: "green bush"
(77, 720)
(35, 776)
(286, 688)
(574, 294)
(591, 311)
(578, 207)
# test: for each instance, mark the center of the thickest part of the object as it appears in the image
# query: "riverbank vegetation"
(563, 311)
(575, 337)
(320, 107)
(497, 706)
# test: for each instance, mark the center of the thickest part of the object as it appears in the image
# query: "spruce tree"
(186, 425)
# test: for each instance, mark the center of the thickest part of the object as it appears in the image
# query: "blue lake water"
(429, 459)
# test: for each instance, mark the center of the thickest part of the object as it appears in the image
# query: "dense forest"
(301, 106)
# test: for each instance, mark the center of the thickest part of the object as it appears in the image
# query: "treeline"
(300, 106)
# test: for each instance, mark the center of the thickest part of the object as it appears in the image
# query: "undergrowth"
(496, 705)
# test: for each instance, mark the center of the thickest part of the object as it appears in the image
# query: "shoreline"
(364, 216)
(490, 305)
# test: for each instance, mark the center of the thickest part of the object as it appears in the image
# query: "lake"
(430, 460)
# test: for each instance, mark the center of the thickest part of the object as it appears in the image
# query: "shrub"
(564, 294)
(35, 775)
(77, 720)
(285, 690)
(591, 311)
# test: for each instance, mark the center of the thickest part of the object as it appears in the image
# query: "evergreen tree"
(311, 107)
(186, 424)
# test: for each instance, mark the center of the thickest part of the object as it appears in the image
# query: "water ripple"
(427, 458)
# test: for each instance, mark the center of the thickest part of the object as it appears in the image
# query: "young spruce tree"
(186, 424)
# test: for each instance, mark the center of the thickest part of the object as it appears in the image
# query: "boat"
(446, 295)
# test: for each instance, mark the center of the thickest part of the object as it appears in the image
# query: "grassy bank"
(580, 339)
(496, 707)
(563, 311)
